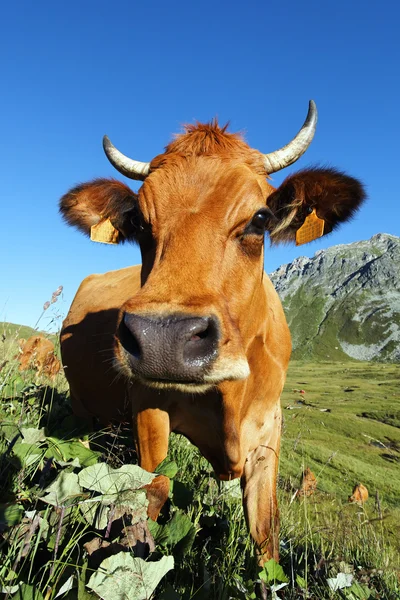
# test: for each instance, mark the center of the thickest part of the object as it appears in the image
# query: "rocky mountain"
(344, 301)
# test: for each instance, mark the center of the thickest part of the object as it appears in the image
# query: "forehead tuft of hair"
(206, 139)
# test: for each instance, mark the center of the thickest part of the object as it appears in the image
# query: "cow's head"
(200, 218)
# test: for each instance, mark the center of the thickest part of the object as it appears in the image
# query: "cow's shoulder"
(103, 291)
(97, 303)
(111, 281)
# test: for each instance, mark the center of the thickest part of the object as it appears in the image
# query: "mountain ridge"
(344, 302)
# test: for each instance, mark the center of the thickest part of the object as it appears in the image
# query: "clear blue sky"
(73, 71)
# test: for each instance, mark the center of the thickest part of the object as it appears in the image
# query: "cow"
(308, 484)
(38, 353)
(194, 340)
(359, 494)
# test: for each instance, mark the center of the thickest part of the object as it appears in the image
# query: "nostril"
(200, 335)
(202, 342)
(128, 339)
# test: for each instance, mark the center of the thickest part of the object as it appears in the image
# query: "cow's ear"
(109, 201)
(327, 193)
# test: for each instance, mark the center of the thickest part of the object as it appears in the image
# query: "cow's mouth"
(190, 387)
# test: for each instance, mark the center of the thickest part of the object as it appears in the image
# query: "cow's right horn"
(134, 169)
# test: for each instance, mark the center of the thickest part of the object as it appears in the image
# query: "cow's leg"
(260, 505)
(151, 430)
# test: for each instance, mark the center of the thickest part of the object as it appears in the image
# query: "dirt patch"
(388, 417)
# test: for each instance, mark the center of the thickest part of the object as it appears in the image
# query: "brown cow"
(308, 483)
(359, 494)
(195, 340)
(38, 353)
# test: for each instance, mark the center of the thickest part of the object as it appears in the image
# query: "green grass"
(342, 446)
(203, 524)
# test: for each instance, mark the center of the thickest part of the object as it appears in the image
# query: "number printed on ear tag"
(104, 232)
(312, 228)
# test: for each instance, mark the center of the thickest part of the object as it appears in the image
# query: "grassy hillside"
(346, 426)
(340, 419)
(321, 334)
(305, 311)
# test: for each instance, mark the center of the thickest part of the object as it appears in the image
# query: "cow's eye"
(260, 222)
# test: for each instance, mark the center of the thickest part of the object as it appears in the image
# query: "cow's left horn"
(275, 161)
(134, 169)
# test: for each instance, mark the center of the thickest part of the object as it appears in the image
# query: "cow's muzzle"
(174, 348)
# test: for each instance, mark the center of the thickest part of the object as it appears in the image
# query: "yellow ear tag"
(104, 232)
(312, 228)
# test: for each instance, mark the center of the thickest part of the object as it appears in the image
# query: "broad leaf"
(28, 592)
(67, 450)
(167, 467)
(112, 482)
(273, 572)
(32, 435)
(10, 514)
(66, 587)
(65, 487)
(179, 529)
(28, 454)
(9, 589)
(95, 513)
(122, 577)
(342, 580)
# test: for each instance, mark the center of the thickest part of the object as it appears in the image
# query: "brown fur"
(38, 353)
(359, 495)
(213, 141)
(202, 256)
(308, 483)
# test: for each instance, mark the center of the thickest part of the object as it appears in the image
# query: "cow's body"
(38, 353)
(239, 422)
(195, 340)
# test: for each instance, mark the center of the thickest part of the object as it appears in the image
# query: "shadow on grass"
(42, 430)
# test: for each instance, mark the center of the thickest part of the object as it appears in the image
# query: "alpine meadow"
(200, 301)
